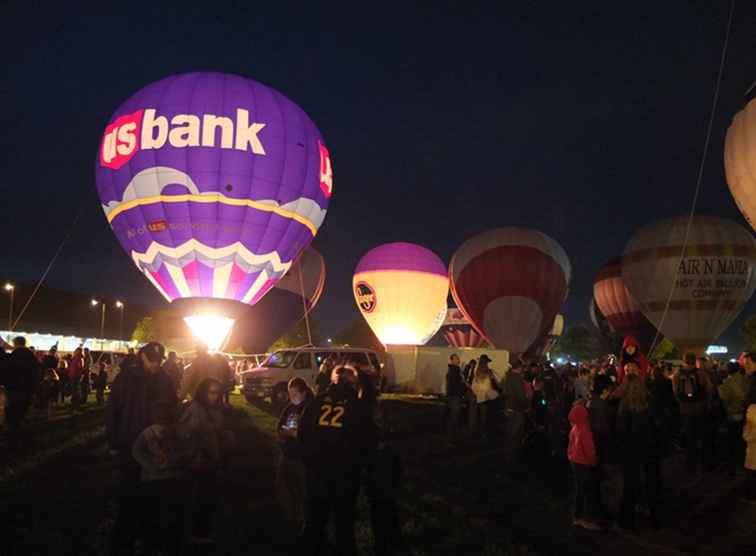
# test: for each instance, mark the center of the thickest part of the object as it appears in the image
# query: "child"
(583, 458)
(100, 382)
(290, 476)
(163, 451)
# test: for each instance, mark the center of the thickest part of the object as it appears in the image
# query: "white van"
(271, 378)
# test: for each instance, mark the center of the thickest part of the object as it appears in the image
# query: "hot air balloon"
(510, 283)
(401, 290)
(282, 307)
(740, 161)
(213, 184)
(619, 308)
(547, 342)
(458, 332)
(711, 283)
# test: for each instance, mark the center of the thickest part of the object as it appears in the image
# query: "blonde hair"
(635, 397)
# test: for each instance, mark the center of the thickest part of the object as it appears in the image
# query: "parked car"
(270, 379)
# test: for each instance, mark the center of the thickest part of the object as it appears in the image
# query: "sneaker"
(589, 525)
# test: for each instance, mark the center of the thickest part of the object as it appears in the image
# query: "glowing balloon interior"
(213, 184)
(211, 330)
(401, 291)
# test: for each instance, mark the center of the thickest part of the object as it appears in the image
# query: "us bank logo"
(365, 297)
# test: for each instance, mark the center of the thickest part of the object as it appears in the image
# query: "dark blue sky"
(583, 122)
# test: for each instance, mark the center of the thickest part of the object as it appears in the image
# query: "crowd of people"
(620, 419)
(169, 430)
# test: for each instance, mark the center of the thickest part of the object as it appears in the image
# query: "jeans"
(330, 493)
(206, 499)
(163, 514)
(515, 427)
(127, 495)
(735, 444)
(454, 406)
(382, 478)
(631, 476)
(750, 485)
(290, 486)
(693, 433)
(586, 491)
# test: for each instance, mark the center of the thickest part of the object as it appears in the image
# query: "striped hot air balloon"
(458, 332)
(711, 284)
(510, 283)
(618, 307)
(740, 161)
(547, 342)
(401, 291)
(213, 184)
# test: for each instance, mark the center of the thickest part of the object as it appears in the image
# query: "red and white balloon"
(510, 283)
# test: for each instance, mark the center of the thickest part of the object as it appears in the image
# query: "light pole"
(11, 289)
(120, 306)
(102, 318)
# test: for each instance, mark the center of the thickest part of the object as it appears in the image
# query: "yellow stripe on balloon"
(221, 277)
(212, 198)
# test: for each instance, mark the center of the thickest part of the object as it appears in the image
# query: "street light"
(11, 289)
(120, 306)
(102, 318)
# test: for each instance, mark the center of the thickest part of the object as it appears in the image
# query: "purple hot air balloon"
(213, 184)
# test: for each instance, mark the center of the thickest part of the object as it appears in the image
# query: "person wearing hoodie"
(22, 376)
(733, 392)
(692, 389)
(581, 452)
(631, 352)
(639, 438)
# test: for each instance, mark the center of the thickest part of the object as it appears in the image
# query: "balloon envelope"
(618, 307)
(458, 332)
(401, 291)
(282, 307)
(740, 161)
(547, 342)
(510, 283)
(712, 283)
(213, 184)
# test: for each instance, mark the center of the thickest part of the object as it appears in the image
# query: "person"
(603, 415)
(86, 375)
(203, 367)
(21, 378)
(204, 417)
(469, 371)
(581, 453)
(62, 371)
(631, 352)
(290, 473)
(663, 408)
(483, 388)
(749, 433)
(75, 373)
(691, 387)
(583, 384)
(100, 382)
(173, 369)
(733, 392)
(140, 384)
(163, 452)
(47, 391)
(456, 392)
(516, 406)
(335, 431)
(639, 440)
(323, 380)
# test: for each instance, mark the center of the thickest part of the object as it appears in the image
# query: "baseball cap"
(485, 358)
(154, 351)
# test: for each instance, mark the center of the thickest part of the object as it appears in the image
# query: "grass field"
(455, 499)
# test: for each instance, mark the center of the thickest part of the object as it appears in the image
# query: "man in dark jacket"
(22, 375)
(335, 431)
(140, 384)
(456, 390)
(516, 405)
(692, 389)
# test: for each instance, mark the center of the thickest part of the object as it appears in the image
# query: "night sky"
(582, 122)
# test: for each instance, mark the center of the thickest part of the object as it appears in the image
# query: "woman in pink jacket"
(581, 452)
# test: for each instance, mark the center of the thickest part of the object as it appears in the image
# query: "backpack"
(688, 387)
